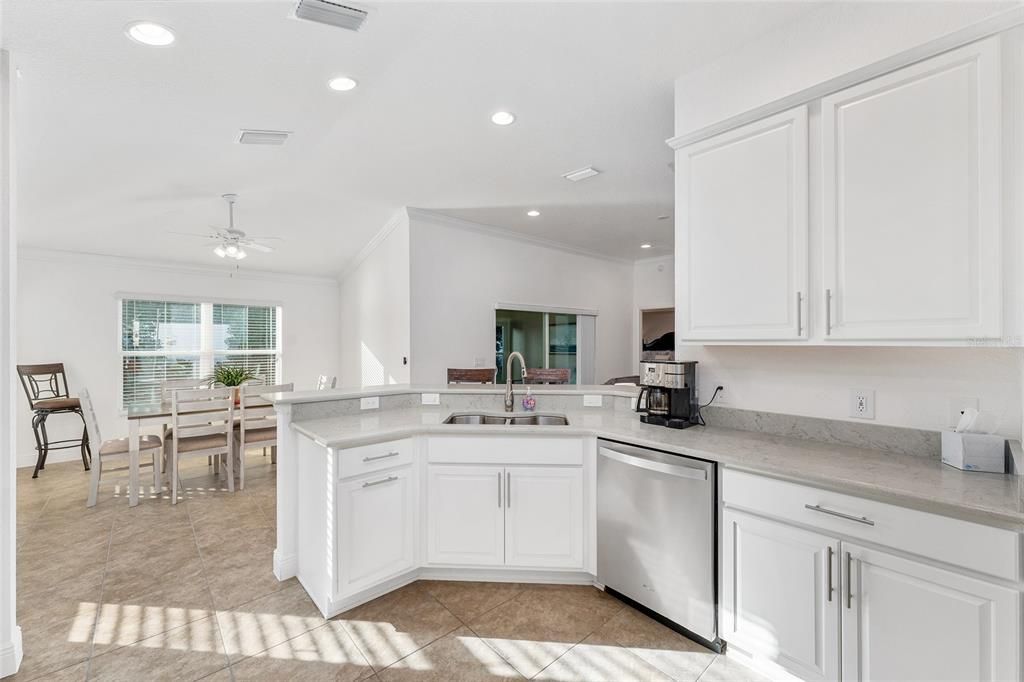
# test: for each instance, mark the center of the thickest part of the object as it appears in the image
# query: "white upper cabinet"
(911, 202)
(741, 232)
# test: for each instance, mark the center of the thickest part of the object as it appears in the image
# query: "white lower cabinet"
(544, 517)
(814, 601)
(466, 515)
(527, 517)
(778, 594)
(376, 528)
(906, 620)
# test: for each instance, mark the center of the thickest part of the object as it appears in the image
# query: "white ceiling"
(119, 143)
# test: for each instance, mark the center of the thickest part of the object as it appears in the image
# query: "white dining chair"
(202, 425)
(324, 382)
(148, 445)
(257, 424)
(167, 388)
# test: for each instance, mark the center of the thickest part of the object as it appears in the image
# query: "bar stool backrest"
(475, 375)
(92, 426)
(43, 382)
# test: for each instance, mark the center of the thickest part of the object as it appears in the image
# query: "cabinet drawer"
(974, 546)
(510, 450)
(368, 458)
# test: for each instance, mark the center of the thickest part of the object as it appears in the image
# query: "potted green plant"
(229, 375)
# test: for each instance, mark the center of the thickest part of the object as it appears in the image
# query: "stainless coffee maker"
(670, 389)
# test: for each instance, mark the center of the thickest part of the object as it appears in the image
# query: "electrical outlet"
(592, 400)
(958, 404)
(862, 403)
(371, 403)
(431, 398)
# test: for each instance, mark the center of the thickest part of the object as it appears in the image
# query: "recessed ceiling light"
(645, 246)
(503, 118)
(533, 214)
(342, 84)
(148, 33)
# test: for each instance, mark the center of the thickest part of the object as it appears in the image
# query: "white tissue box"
(974, 451)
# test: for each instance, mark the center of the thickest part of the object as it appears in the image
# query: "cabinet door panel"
(544, 517)
(775, 601)
(911, 201)
(905, 620)
(466, 517)
(376, 528)
(741, 232)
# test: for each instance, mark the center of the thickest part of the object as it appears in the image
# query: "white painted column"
(285, 554)
(10, 633)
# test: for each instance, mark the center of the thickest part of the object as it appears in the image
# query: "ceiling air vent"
(332, 13)
(581, 174)
(273, 137)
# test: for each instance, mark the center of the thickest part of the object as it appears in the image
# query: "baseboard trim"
(338, 604)
(11, 654)
(285, 566)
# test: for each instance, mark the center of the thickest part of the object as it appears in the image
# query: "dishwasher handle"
(680, 470)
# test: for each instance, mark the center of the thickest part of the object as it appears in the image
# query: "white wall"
(67, 312)
(10, 633)
(821, 45)
(914, 387)
(653, 287)
(375, 311)
(459, 273)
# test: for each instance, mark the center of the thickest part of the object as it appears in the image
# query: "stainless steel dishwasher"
(656, 527)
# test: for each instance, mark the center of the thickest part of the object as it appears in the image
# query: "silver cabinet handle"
(383, 480)
(828, 312)
(859, 519)
(499, 490)
(829, 569)
(508, 489)
(849, 580)
(376, 457)
(799, 314)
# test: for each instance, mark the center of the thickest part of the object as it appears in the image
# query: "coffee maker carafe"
(670, 391)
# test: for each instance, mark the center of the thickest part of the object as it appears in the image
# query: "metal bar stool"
(46, 387)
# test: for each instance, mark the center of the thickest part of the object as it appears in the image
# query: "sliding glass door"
(546, 340)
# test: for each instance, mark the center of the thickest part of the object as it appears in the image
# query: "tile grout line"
(209, 591)
(99, 600)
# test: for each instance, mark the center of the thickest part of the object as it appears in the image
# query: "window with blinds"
(163, 340)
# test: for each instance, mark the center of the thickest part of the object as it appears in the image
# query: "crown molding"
(109, 261)
(504, 233)
(983, 29)
(400, 217)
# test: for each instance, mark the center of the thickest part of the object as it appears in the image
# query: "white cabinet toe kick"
(373, 518)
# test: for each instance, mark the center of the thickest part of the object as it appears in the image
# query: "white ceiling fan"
(232, 242)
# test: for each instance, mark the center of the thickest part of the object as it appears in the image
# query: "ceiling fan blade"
(193, 234)
(256, 247)
(264, 239)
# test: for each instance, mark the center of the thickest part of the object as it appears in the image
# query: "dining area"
(218, 418)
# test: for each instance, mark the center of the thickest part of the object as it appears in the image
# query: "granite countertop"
(914, 481)
(622, 390)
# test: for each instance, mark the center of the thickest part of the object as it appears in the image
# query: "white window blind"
(173, 340)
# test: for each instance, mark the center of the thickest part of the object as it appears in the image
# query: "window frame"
(206, 352)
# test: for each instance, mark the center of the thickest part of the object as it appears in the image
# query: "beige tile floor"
(187, 592)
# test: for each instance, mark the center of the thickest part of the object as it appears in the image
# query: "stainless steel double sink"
(507, 420)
